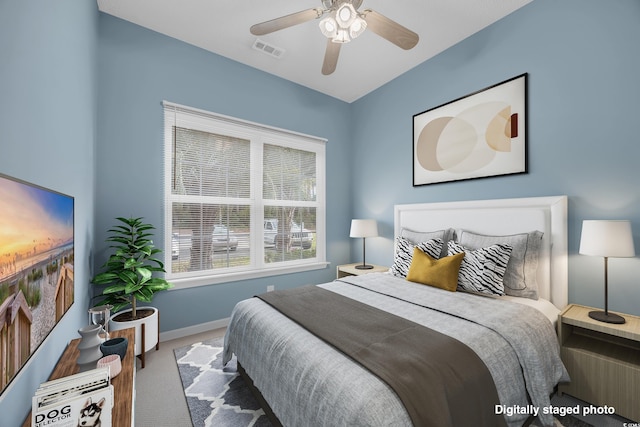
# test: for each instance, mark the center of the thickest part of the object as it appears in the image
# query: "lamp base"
(606, 317)
(364, 267)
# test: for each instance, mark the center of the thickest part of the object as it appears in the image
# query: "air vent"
(268, 49)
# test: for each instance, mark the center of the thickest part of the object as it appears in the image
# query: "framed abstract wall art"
(36, 269)
(479, 135)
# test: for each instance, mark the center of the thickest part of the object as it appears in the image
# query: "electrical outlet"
(270, 288)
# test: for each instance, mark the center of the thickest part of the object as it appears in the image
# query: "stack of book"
(83, 399)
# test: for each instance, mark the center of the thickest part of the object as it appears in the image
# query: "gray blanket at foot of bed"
(440, 381)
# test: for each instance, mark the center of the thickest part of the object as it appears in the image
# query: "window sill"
(193, 282)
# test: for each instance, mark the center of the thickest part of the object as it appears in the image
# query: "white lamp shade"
(363, 228)
(607, 239)
(357, 27)
(329, 27)
(345, 15)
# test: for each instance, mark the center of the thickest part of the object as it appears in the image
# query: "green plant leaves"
(128, 273)
(105, 278)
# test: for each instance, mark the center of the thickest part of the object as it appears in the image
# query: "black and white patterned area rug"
(216, 395)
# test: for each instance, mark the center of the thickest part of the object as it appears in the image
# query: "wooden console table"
(122, 414)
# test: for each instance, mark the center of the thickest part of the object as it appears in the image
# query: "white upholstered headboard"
(503, 217)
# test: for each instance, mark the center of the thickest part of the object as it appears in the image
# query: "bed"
(308, 382)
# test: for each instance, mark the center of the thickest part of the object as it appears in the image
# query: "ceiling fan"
(343, 22)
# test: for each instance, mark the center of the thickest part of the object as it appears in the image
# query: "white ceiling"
(366, 63)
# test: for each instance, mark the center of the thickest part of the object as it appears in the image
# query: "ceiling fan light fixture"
(341, 37)
(345, 15)
(329, 27)
(343, 25)
(357, 27)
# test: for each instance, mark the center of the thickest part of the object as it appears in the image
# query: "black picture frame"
(480, 135)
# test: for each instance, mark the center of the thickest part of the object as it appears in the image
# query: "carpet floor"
(217, 396)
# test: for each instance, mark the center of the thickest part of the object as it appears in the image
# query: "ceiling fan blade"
(356, 3)
(390, 30)
(331, 57)
(285, 21)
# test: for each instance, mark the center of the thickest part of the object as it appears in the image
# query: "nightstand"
(351, 270)
(603, 360)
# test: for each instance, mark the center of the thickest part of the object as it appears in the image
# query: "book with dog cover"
(84, 399)
(66, 383)
(67, 387)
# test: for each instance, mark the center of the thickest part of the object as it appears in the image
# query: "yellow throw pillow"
(441, 273)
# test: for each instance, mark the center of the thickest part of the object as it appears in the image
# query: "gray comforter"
(309, 383)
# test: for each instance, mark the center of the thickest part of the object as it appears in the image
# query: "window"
(242, 200)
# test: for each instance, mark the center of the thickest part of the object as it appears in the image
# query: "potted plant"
(128, 277)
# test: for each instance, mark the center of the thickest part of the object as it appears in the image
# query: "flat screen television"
(36, 269)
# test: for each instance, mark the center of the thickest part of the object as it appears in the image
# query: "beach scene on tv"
(36, 269)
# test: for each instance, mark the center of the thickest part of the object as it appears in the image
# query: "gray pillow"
(422, 236)
(520, 277)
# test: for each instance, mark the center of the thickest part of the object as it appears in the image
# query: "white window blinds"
(242, 200)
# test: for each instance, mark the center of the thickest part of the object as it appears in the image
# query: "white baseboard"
(195, 329)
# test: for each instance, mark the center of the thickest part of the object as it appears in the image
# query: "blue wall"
(48, 125)
(583, 64)
(102, 126)
(138, 69)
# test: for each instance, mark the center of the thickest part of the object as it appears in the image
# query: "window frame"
(258, 135)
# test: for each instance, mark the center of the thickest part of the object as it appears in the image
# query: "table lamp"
(607, 239)
(363, 228)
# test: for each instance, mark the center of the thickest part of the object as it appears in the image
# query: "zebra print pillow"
(520, 278)
(404, 254)
(482, 270)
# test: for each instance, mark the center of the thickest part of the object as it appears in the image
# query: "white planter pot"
(150, 328)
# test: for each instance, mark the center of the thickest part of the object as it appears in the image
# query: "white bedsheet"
(549, 310)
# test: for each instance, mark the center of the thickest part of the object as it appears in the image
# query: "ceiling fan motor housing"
(333, 4)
